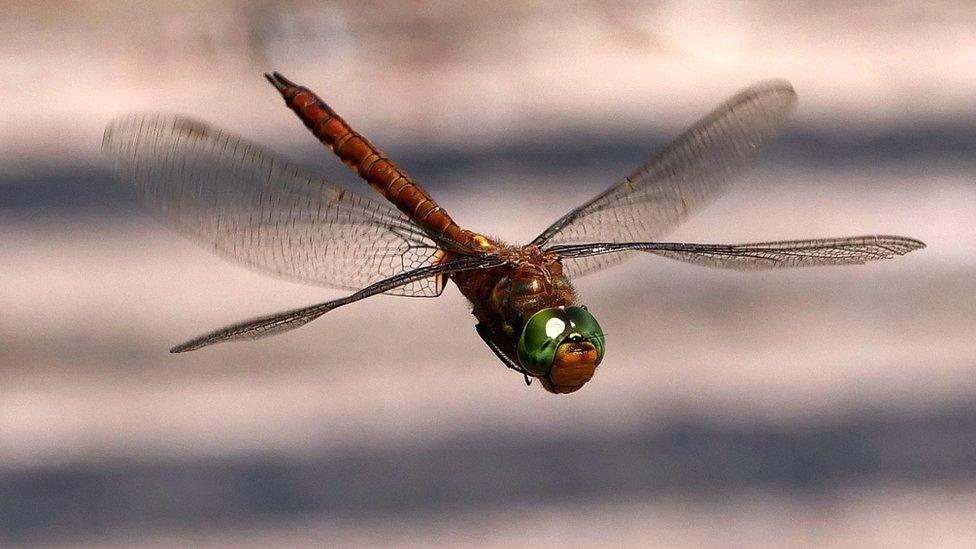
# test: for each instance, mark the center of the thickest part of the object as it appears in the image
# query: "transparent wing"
(691, 171)
(853, 250)
(289, 320)
(263, 211)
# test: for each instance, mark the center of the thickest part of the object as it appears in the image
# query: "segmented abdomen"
(370, 163)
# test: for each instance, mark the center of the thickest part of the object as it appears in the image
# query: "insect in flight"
(270, 215)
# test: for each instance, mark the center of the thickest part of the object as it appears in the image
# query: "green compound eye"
(548, 328)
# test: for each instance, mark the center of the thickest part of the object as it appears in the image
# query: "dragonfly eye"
(548, 328)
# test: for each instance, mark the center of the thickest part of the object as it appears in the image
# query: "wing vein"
(262, 211)
(677, 181)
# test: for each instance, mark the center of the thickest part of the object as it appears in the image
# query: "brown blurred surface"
(811, 407)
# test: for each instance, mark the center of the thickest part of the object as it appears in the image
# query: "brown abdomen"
(370, 163)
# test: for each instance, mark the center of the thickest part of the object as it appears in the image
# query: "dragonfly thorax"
(526, 290)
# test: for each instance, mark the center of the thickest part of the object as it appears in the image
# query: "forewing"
(289, 320)
(854, 250)
(263, 211)
(691, 171)
(798, 253)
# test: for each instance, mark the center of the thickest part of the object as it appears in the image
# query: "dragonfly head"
(562, 346)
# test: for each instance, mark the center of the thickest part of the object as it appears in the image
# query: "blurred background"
(829, 406)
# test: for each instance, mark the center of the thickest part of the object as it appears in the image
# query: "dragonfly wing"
(690, 172)
(265, 212)
(853, 250)
(289, 320)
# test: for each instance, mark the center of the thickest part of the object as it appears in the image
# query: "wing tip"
(902, 244)
(907, 244)
(126, 128)
(775, 84)
(192, 345)
(916, 244)
(776, 94)
(119, 125)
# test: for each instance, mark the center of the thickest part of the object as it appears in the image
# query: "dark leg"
(485, 334)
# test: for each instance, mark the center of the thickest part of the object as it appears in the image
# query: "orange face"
(574, 365)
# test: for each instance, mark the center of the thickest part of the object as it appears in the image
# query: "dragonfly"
(267, 213)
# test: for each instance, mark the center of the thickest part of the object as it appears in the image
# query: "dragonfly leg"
(485, 334)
